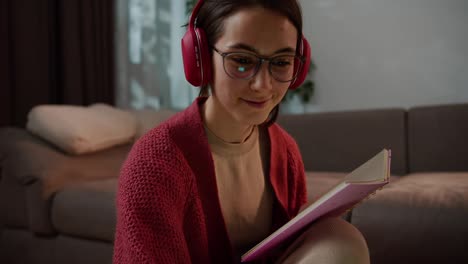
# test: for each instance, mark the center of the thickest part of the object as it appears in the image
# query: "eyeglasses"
(242, 65)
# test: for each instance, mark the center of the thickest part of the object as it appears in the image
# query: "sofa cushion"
(86, 210)
(78, 129)
(437, 138)
(318, 183)
(422, 218)
(341, 141)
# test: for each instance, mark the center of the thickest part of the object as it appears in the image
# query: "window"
(149, 61)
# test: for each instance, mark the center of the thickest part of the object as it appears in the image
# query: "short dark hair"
(212, 14)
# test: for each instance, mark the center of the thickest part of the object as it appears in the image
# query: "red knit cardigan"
(168, 209)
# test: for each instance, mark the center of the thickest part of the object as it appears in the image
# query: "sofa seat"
(86, 210)
(421, 210)
(318, 183)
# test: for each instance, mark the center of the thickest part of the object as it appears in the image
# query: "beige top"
(245, 194)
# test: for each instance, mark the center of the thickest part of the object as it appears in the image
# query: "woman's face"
(256, 31)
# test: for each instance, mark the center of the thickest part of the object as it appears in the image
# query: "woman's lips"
(256, 103)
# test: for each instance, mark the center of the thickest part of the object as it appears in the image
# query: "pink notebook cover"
(347, 196)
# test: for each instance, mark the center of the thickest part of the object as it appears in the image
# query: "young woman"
(220, 176)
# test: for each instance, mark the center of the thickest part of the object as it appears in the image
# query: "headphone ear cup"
(304, 67)
(196, 57)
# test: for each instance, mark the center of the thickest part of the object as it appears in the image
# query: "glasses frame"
(260, 63)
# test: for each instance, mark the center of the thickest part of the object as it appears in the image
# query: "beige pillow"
(79, 129)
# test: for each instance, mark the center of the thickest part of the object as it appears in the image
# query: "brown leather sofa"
(58, 208)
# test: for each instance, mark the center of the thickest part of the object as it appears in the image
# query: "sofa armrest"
(26, 158)
(34, 170)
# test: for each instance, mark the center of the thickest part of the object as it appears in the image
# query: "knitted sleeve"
(151, 200)
(297, 180)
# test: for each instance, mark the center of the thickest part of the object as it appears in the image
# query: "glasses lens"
(282, 67)
(240, 65)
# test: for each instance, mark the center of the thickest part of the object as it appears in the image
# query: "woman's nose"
(263, 79)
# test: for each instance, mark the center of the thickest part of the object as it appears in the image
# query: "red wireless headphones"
(197, 58)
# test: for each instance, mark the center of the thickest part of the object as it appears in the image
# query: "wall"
(387, 53)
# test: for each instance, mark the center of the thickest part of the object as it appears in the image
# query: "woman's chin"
(254, 119)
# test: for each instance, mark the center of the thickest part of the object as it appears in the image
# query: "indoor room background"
(368, 54)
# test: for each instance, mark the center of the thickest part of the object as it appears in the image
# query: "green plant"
(305, 92)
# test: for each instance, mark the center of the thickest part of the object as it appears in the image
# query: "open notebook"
(354, 188)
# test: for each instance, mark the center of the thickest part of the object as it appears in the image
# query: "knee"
(337, 241)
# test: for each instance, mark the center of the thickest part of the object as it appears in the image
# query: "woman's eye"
(281, 63)
(243, 60)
